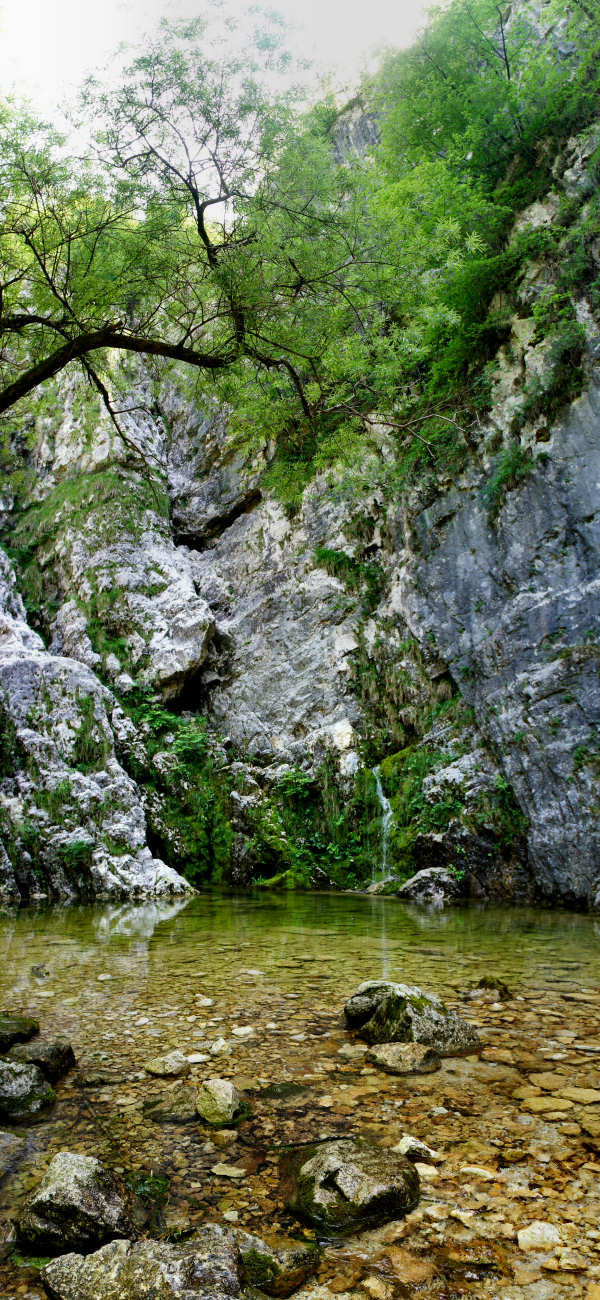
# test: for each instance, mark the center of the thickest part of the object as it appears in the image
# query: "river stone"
(77, 1204)
(54, 1057)
(16, 1029)
(24, 1092)
(346, 1185)
(278, 1269)
(176, 1105)
(217, 1101)
(172, 1066)
(539, 1236)
(433, 885)
(203, 1268)
(384, 1012)
(10, 1146)
(404, 1058)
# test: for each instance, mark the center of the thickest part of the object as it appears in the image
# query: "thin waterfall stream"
(387, 817)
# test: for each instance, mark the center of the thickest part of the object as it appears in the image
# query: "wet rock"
(404, 1058)
(539, 1236)
(384, 1012)
(434, 886)
(54, 1057)
(278, 1269)
(348, 1185)
(218, 1101)
(175, 1106)
(206, 1267)
(24, 1093)
(10, 1146)
(77, 1204)
(174, 1065)
(16, 1029)
(414, 1149)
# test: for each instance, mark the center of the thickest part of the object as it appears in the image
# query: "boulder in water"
(404, 1058)
(54, 1057)
(15, 1028)
(434, 886)
(346, 1185)
(385, 1012)
(204, 1268)
(24, 1093)
(77, 1204)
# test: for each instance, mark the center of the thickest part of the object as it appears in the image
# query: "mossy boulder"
(218, 1101)
(385, 1012)
(278, 1269)
(206, 1267)
(77, 1205)
(25, 1095)
(15, 1028)
(347, 1185)
(54, 1057)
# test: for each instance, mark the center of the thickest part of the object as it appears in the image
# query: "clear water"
(288, 943)
(126, 983)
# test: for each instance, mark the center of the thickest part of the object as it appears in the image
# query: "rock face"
(206, 1267)
(516, 628)
(71, 821)
(24, 1093)
(384, 1012)
(76, 1206)
(162, 559)
(345, 1186)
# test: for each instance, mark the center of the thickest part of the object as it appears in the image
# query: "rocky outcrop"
(330, 636)
(71, 822)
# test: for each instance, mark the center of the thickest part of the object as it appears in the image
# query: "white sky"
(47, 47)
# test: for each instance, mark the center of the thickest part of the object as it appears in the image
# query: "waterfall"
(387, 817)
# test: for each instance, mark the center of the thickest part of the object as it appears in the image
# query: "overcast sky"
(47, 47)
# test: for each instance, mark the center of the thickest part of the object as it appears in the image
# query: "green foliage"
(9, 743)
(364, 577)
(91, 747)
(511, 466)
(187, 789)
(76, 856)
(312, 825)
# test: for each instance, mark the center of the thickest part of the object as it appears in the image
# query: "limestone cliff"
(447, 633)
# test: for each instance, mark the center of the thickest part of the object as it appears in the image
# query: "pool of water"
(290, 942)
(267, 976)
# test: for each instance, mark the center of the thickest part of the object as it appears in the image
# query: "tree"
(194, 236)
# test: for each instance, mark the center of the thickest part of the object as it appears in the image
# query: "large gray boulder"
(25, 1095)
(77, 1205)
(204, 1268)
(343, 1186)
(385, 1012)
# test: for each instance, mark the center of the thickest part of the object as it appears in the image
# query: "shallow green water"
(231, 946)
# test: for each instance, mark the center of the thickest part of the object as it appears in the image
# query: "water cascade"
(387, 818)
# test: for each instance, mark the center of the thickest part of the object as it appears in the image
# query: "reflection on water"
(288, 941)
